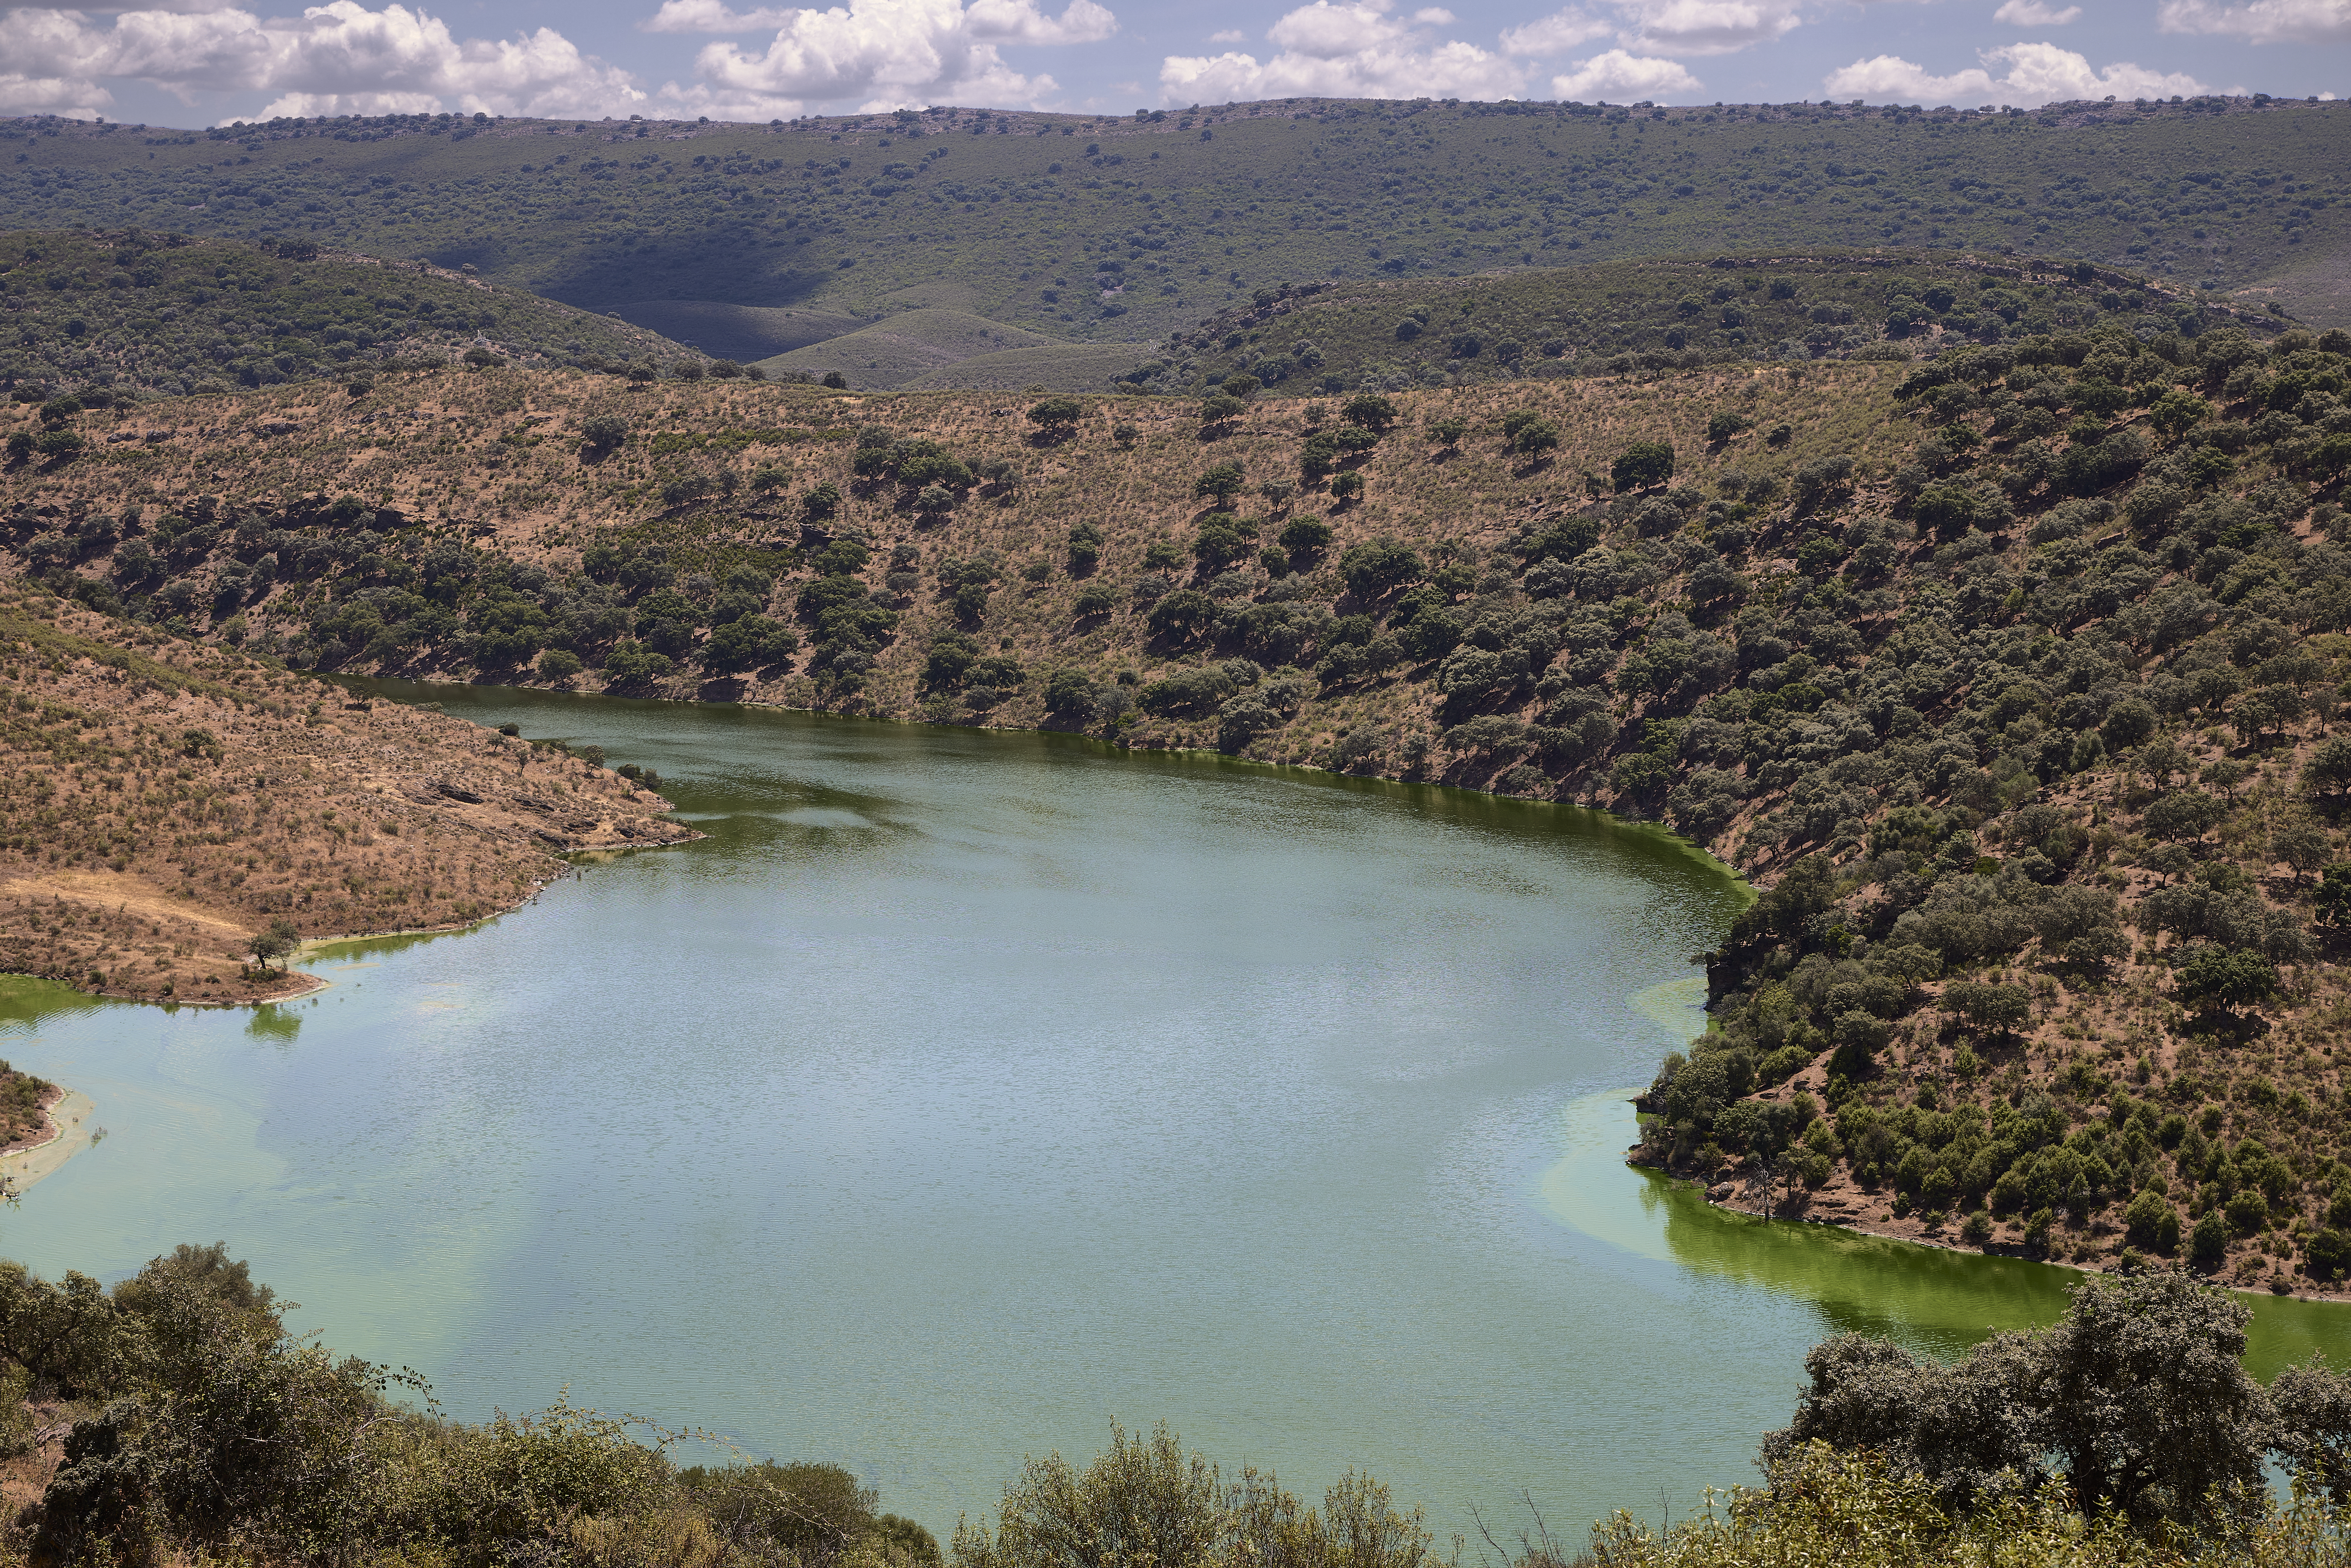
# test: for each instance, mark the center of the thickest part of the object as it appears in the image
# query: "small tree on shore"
(276, 942)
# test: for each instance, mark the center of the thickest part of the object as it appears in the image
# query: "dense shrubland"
(173, 1417)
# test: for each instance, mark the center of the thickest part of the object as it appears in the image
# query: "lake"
(964, 1090)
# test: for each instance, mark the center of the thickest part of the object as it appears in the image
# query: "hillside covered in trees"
(1097, 228)
(2013, 672)
(126, 313)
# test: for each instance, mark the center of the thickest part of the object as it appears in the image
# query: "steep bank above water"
(163, 804)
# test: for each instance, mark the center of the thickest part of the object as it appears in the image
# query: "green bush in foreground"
(201, 1431)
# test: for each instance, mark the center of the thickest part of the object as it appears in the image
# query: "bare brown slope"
(159, 803)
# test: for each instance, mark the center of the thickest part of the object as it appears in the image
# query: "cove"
(964, 1090)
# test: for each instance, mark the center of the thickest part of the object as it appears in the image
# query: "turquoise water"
(962, 1091)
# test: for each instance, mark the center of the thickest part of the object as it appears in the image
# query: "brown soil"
(161, 805)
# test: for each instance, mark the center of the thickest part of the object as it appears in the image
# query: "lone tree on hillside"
(1641, 465)
(604, 433)
(1056, 417)
(1220, 484)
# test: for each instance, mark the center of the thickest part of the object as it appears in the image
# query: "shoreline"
(2101, 1266)
(24, 1164)
(1613, 818)
(306, 984)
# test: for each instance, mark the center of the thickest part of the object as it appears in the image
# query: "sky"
(204, 62)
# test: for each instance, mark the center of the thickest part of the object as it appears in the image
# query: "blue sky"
(188, 62)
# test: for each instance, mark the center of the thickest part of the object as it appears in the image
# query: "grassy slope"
(740, 332)
(1576, 320)
(160, 802)
(126, 311)
(846, 211)
(1062, 367)
(911, 343)
(1953, 673)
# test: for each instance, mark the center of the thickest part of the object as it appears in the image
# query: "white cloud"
(1354, 49)
(1704, 26)
(2037, 73)
(1622, 76)
(1661, 27)
(999, 21)
(890, 53)
(2262, 21)
(712, 17)
(340, 58)
(1555, 34)
(1433, 16)
(1230, 36)
(2034, 14)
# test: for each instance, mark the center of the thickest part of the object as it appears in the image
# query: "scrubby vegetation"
(1665, 313)
(1100, 227)
(192, 1422)
(24, 1106)
(173, 1417)
(174, 818)
(98, 316)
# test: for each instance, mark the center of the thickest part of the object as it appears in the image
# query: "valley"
(1245, 669)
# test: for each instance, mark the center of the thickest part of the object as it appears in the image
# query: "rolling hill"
(135, 312)
(899, 348)
(1099, 228)
(1665, 311)
(740, 332)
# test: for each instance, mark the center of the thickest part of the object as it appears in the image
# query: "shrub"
(1057, 416)
(2137, 1398)
(1305, 534)
(1372, 569)
(604, 431)
(1539, 435)
(1182, 615)
(2224, 979)
(1220, 484)
(748, 642)
(2209, 1244)
(2151, 1224)
(1641, 465)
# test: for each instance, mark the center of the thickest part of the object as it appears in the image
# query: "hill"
(2014, 673)
(1669, 311)
(133, 311)
(1060, 367)
(161, 804)
(740, 332)
(902, 347)
(1103, 228)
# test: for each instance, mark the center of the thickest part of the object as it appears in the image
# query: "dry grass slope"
(161, 803)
